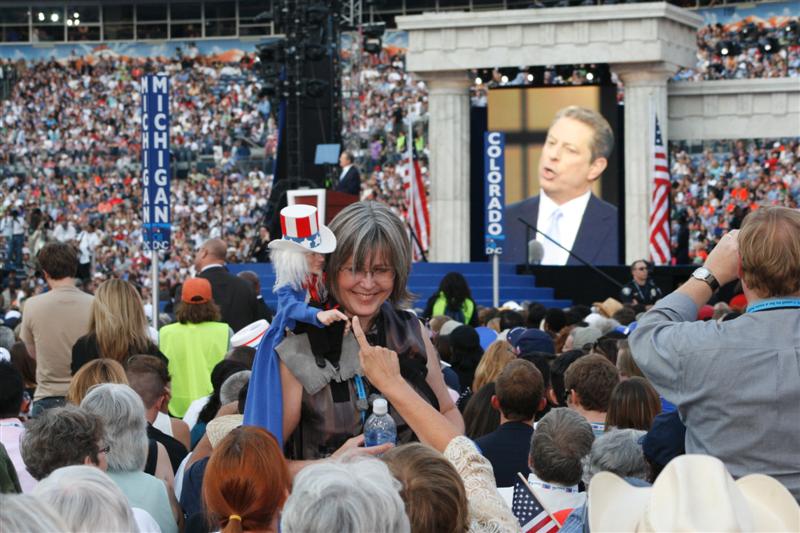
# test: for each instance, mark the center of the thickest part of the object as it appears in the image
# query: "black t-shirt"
(85, 349)
(176, 451)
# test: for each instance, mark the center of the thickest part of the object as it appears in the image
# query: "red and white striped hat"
(301, 230)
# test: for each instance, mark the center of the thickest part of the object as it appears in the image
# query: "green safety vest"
(440, 307)
(193, 350)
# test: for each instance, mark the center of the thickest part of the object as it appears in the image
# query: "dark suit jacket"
(507, 448)
(234, 296)
(598, 235)
(351, 182)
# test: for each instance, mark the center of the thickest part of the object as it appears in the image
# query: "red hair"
(246, 481)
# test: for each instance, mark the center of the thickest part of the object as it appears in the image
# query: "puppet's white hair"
(291, 268)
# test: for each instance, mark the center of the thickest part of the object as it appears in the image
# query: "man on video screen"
(575, 153)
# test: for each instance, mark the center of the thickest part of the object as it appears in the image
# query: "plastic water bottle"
(380, 427)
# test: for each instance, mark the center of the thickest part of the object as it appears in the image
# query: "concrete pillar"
(645, 94)
(448, 133)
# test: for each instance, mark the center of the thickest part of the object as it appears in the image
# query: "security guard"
(641, 289)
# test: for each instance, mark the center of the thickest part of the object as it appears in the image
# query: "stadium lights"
(54, 17)
(372, 37)
(530, 77)
(504, 79)
(75, 15)
(478, 81)
(40, 16)
(590, 76)
(69, 22)
(770, 45)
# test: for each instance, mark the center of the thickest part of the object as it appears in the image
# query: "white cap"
(250, 335)
(380, 406)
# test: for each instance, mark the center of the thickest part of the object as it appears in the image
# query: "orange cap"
(196, 291)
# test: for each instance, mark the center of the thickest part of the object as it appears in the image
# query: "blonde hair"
(437, 322)
(93, 373)
(769, 247)
(494, 360)
(118, 321)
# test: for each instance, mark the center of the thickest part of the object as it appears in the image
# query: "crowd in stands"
(380, 100)
(714, 188)
(590, 421)
(71, 153)
(746, 49)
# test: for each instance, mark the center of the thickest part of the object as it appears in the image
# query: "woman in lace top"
(435, 498)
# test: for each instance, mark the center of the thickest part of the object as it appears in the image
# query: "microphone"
(570, 252)
(535, 252)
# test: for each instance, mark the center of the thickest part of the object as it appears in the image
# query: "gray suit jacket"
(736, 384)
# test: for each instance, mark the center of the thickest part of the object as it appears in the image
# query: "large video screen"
(554, 177)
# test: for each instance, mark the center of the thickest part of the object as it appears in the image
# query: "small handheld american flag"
(532, 516)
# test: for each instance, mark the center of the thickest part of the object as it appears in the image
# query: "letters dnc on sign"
(494, 191)
(155, 162)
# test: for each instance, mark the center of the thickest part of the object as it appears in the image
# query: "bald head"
(216, 249)
(212, 252)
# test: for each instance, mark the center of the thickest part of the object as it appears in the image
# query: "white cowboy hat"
(250, 335)
(302, 231)
(692, 493)
(220, 427)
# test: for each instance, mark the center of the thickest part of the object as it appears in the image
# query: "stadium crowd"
(592, 417)
(380, 100)
(746, 49)
(71, 157)
(585, 418)
(713, 188)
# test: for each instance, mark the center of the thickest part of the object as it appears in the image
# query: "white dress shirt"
(572, 215)
(344, 172)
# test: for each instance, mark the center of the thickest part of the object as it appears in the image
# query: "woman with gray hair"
(122, 412)
(618, 451)
(87, 500)
(349, 496)
(367, 276)
(24, 512)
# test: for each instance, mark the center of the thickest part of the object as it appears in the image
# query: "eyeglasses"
(105, 449)
(379, 273)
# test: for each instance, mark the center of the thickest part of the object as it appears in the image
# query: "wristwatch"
(704, 274)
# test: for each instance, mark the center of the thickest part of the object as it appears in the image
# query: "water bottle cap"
(380, 406)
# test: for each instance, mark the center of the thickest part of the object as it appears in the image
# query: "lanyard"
(362, 398)
(774, 303)
(569, 490)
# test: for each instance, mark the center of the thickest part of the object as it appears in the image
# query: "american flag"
(532, 516)
(660, 252)
(417, 200)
